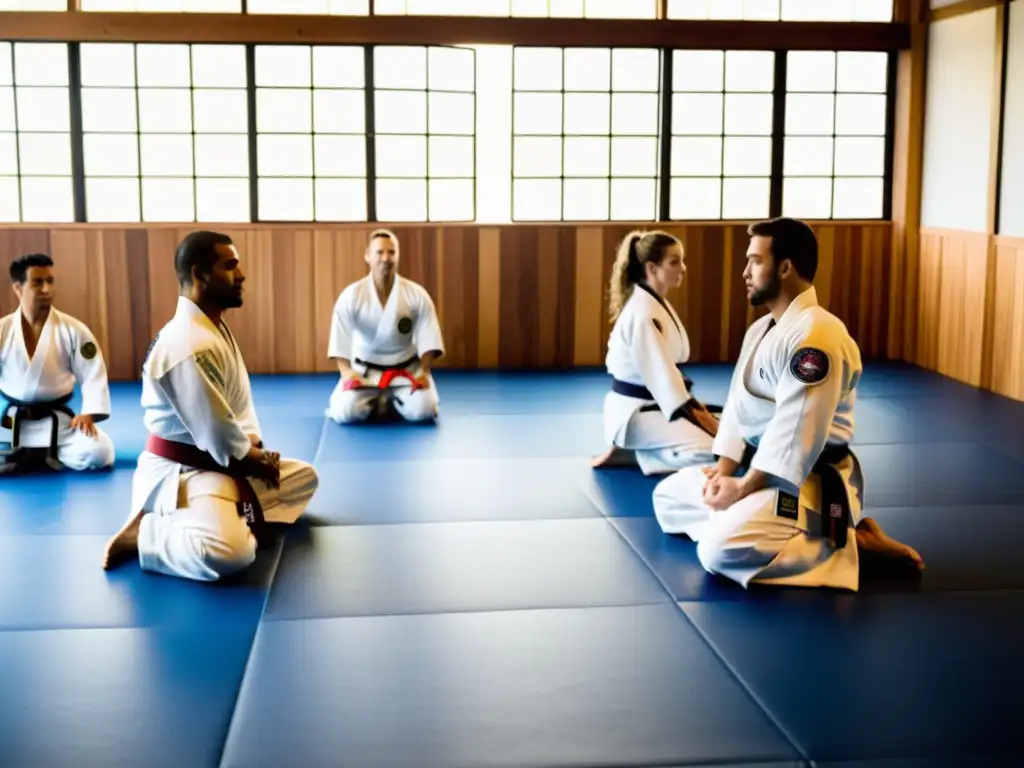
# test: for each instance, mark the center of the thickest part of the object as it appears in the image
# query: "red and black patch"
(809, 365)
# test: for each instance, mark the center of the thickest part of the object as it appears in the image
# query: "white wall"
(958, 112)
(1011, 205)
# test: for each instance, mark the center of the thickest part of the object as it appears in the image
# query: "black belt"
(385, 368)
(835, 500)
(36, 411)
(642, 393)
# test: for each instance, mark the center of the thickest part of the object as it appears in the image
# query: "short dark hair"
(383, 233)
(198, 249)
(793, 240)
(20, 267)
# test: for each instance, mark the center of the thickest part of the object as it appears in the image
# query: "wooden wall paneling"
(591, 297)
(1007, 361)
(489, 297)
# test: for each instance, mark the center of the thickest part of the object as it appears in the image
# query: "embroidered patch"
(207, 366)
(787, 506)
(809, 365)
(405, 325)
(88, 350)
(657, 325)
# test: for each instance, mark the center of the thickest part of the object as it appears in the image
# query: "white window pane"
(761, 10)
(7, 122)
(588, 69)
(873, 10)
(452, 113)
(219, 66)
(164, 66)
(168, 200)
(537, 156)
(337, 66)
(586, 200)
(46, 154)
(725, 9)
(587, 113)
(748, 156)
(538, 113)
(111, 154)
(43, 109)
(811, 71)
(319, 7)
(340, 156)
(222, 155)
(862, 71)
(6, 75)
(860, 157)
(815, 10)
(587, 156)
(538, 69)
(286, 199)
(688, 9)
(9, 208)
(284, 111)
(339, 111)
(748, 114)
(8, 154)
(451, 156)
(111, 64)
(400, 111)
(33, 5)
(697, 156)
(400, 67)
(745, 198)
(634, 200)
(698, 70)
(108, 109)
(530, 8)
(165, 111)
(616, 9)
(457, 7)
(537, 200)
(750, 71)
(636, 69)
(41, 63)
(451, 200)
(566, 9)
(809, 114)
(340, 199)
(401, 200)
(860, 114)
(401, 156)
(284, 65)
(350, 7)
(284, 155)
(634, 157)
(222, 200)
(695, 199)
(807, 198)
(219, 111)
(112, 199)
(47, 199)
(858, 199)
(164, 155)
(807, 156)
(696, 113)
(635, 114)
(451, 69)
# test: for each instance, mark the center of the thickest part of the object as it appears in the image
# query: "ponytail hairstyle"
(635, 250)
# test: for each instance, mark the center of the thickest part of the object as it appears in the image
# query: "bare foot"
(614, 457)
(871, 537)
(124, 544)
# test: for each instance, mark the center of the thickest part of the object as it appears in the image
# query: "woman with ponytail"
(650, 416)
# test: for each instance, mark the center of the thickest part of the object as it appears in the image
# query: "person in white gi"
(382, 325)
(43, 353)
(187, 520)
(788, 422)
(650, 416)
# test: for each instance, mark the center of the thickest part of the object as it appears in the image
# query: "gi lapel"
(37, 363)
(394, 318)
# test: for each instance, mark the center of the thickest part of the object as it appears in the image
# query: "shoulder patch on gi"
(405, 325)
(88, 350)
(657, 324)
(787, 505)
(809, 365)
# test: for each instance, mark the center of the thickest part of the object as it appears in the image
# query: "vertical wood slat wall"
(509, 297)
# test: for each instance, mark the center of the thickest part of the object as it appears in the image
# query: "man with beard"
(197, 507)
(778, 506)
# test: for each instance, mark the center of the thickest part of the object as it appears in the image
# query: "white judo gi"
(792, 395)
(67, 352)
(646, 345)
(374, 339)
(195, 390)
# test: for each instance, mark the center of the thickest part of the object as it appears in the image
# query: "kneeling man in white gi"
(205, 487)
(788, 422)
(385, 336)
(43, 353)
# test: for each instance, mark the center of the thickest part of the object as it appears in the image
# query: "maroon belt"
(249, 505)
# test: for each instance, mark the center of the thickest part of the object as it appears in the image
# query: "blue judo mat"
(472, 594)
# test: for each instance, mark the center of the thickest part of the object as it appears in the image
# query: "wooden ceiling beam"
(456, 30)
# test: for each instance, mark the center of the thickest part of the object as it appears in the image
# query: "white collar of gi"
(189, 309)
(808, 298)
